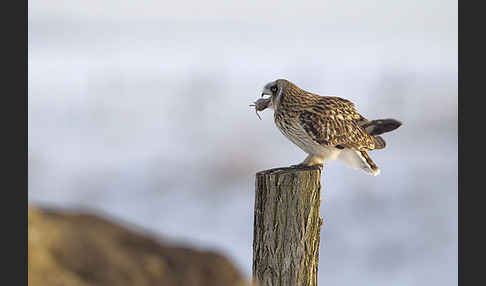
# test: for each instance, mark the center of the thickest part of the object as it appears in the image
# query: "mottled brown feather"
(368, 160)
(328, 120)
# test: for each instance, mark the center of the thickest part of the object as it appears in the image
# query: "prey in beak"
(261, 104)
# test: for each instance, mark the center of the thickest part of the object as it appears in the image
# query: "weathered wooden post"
(287, 227)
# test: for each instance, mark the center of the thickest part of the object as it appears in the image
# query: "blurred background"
(138, 110)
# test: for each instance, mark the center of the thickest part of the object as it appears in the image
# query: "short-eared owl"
(326, 127)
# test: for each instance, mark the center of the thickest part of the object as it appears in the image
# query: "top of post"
(287, 170)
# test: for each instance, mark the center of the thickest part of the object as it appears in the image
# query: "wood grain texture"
(287, 226)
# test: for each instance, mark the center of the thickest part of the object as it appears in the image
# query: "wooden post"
(287, 225)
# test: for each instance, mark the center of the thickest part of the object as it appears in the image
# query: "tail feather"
(380, 126)
(379, 142)
(370, 164)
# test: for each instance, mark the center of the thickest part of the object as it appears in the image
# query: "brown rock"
(82, 249)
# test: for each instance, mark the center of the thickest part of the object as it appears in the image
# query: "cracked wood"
(287, 226)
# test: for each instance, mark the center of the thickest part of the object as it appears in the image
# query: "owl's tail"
(359, 160)
(380, 126)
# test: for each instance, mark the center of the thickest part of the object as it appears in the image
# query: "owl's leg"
(311, 160)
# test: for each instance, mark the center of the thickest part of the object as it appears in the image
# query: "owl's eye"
(273, 88)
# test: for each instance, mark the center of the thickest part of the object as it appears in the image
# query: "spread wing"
(333, 121)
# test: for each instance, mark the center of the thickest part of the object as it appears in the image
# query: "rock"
(83, 249)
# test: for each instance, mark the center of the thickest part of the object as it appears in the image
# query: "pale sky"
(435, 16)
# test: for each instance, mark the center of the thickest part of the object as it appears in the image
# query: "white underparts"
(355, 160)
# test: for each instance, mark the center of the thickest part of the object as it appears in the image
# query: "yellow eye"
(274, 88)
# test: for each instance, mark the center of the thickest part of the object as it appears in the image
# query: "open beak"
(266, 93)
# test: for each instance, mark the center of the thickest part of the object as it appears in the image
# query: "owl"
(326, 127)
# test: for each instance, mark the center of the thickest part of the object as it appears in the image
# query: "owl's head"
(275, 89)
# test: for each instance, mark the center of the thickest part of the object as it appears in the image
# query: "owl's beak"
(266, 92)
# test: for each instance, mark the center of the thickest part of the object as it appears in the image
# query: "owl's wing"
(334, 121)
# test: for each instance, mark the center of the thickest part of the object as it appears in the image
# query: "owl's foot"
(310, 161)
